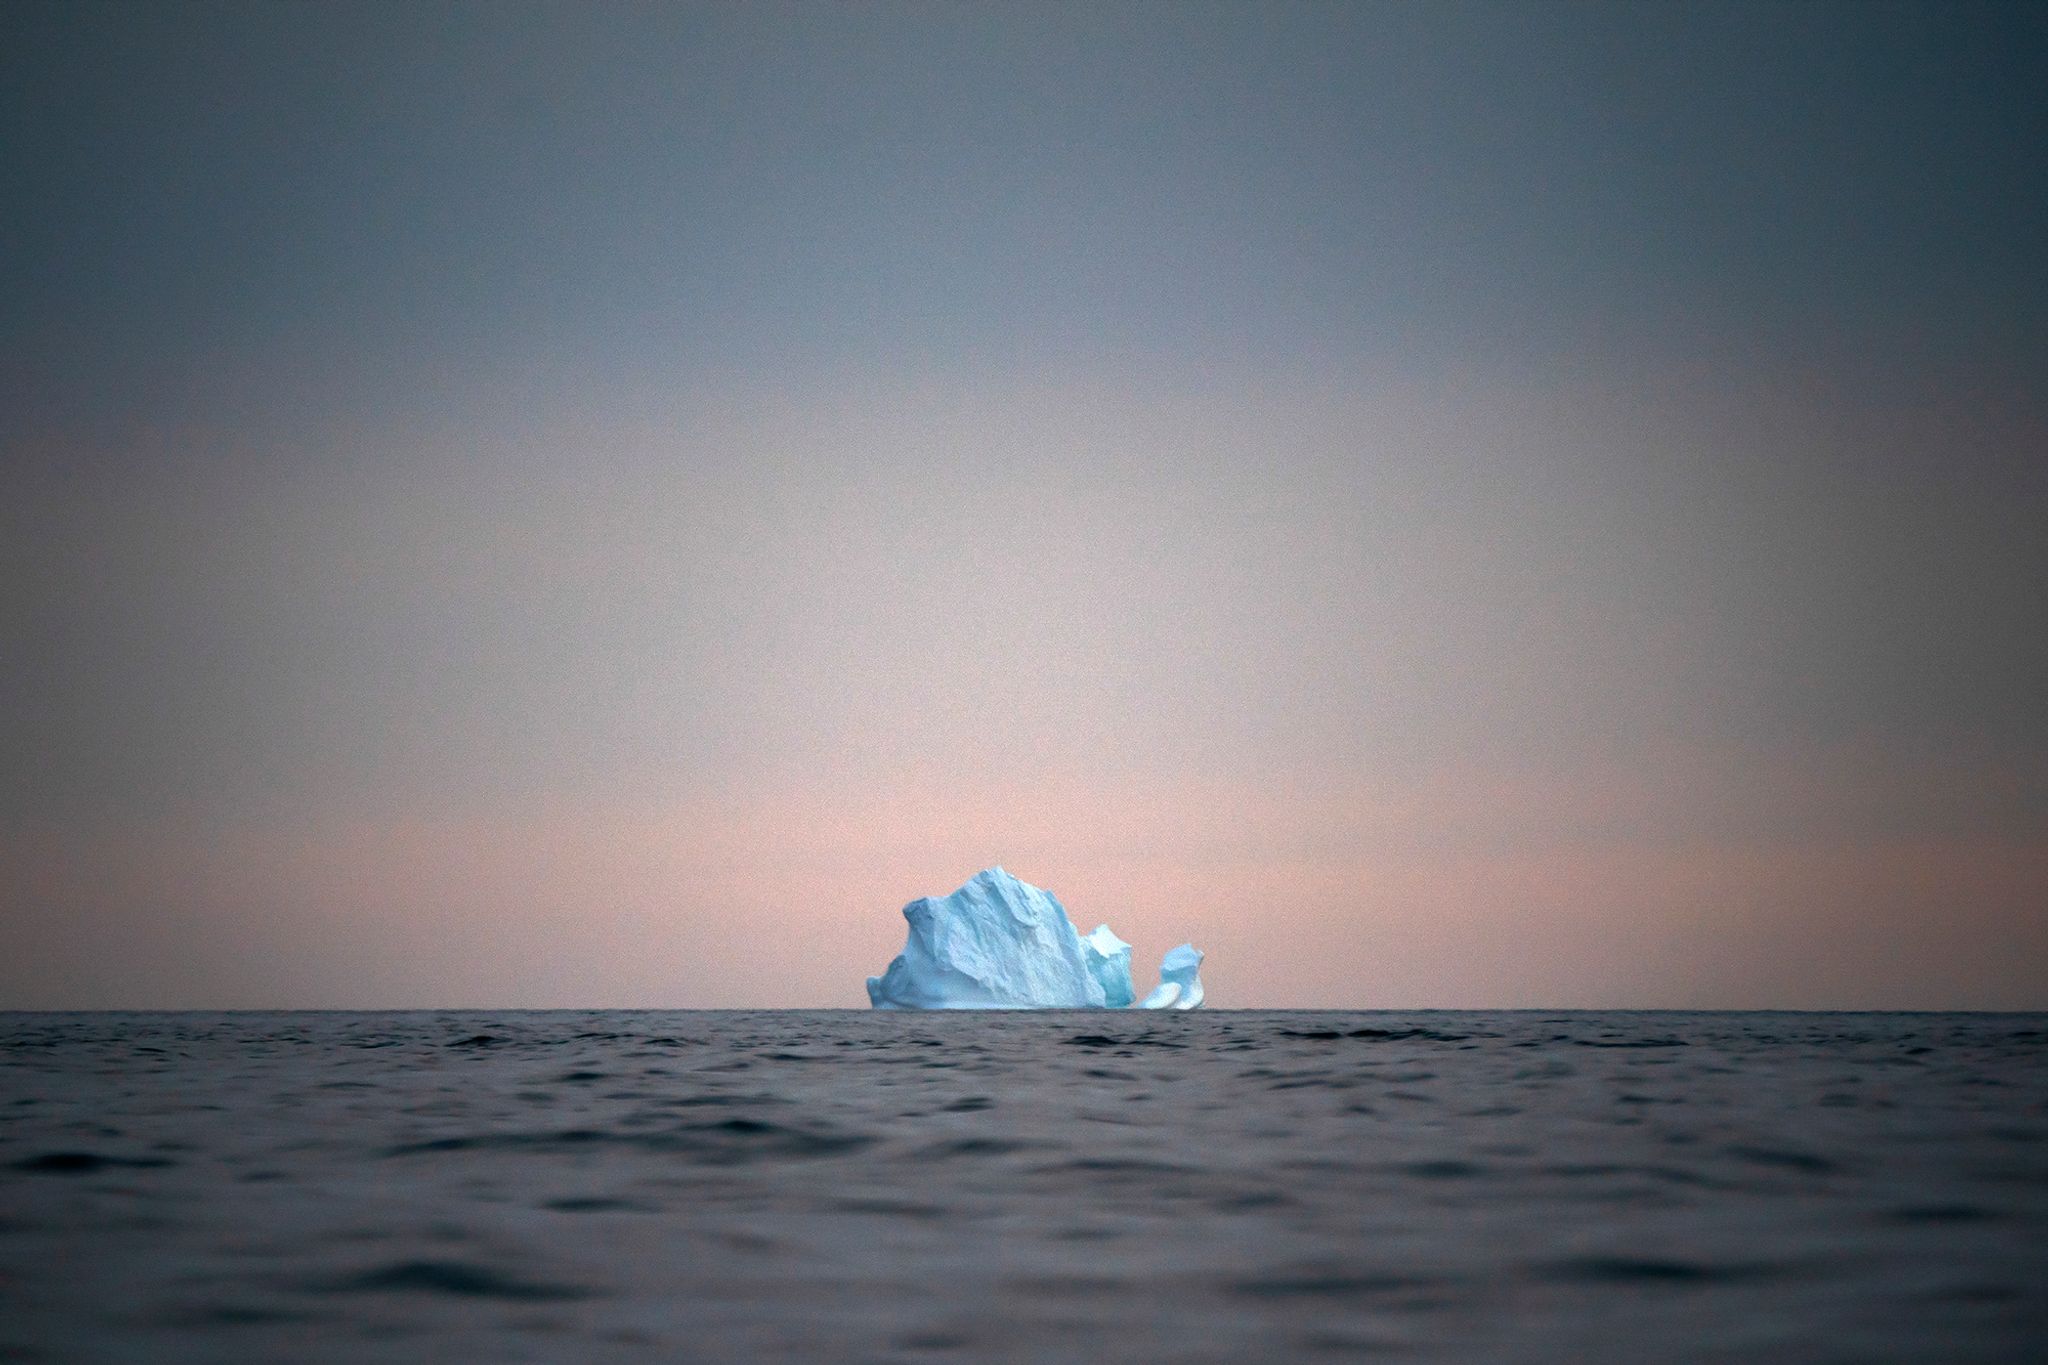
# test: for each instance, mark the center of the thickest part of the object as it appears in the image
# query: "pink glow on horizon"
(791, 899)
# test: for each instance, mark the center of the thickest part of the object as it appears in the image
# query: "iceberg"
(1001, 943)
(1180, 980)
(996, 943)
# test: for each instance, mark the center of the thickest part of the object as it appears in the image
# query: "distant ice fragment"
(1000, 943)
(1109, 962)
(1180, 981)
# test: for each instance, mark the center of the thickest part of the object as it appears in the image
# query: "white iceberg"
(996, 943)
(1000, 943)
(1180, 980)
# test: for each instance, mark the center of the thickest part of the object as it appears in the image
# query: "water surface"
(1220, 1185)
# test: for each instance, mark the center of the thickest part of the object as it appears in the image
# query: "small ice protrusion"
(1180, 981)
(1109, 962)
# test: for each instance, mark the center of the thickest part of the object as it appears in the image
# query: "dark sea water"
(1214, 1186)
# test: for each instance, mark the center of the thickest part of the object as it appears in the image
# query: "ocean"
(848, 1186)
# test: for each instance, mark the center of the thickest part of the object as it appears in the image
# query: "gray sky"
(1442, 504)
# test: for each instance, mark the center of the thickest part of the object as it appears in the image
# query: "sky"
(1440, 504)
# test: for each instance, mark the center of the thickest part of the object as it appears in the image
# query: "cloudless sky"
(1440, 504)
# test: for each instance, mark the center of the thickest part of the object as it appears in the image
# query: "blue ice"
(1001, 943)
